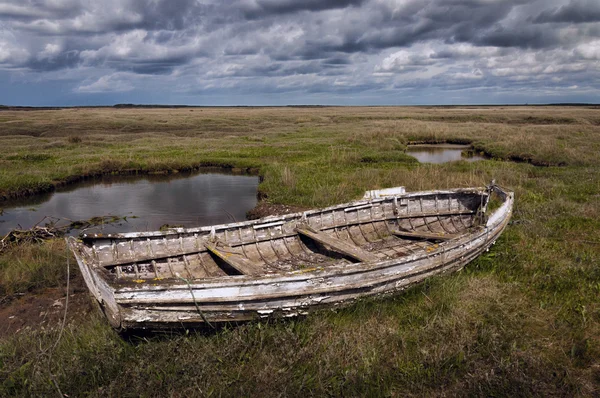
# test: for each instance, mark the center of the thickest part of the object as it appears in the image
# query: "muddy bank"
(44, 308)
(264, 209)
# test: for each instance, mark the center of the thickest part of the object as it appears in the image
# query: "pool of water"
(442, 153)
(147, 202)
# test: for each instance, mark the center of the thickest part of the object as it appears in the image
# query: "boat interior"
(364, 231)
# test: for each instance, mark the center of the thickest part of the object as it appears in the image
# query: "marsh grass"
(521, 320)
(33, 266)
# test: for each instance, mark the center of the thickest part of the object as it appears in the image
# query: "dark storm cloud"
(313, 46)
(62, 60)
(577, 11)
(29, 10)
(74, 17)
(160, 67)
(358, 27)
(455, 20)
(169, 15)
(523, 37)
(262, 8)
(338, 60)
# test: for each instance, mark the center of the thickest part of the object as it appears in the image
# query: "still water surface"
(149, 202)
(442, 153)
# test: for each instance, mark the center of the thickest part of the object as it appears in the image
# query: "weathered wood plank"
(419, 214)
(237, 261)
(338, 245)
(425, 235)
(148, 250)
(208, 265)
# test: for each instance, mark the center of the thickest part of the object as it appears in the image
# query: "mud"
(264, 209)
(44, 308)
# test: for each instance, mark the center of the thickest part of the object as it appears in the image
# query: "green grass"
(33, 266)
(521, 320)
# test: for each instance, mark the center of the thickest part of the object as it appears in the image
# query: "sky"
(285, 52)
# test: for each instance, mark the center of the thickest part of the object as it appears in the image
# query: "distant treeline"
(151, 106)
(155, 106)
(29, 108)
(218, 106)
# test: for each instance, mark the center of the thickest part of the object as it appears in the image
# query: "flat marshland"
(521, 320)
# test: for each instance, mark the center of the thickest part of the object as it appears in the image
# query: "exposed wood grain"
(425, 235)
(420, 214)
(237, 261)
(338, 245)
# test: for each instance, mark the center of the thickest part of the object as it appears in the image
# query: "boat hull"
(186, 302)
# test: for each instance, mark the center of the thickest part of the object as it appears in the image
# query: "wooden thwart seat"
(337, 245)
(424, 235)
(240, 263)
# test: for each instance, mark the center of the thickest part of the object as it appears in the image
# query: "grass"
(32, 266)
(521, 320)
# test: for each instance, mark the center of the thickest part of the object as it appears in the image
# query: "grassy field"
(522, 320)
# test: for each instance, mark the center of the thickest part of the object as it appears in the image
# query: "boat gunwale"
(290, 234)
(315, 272)
(270, 219)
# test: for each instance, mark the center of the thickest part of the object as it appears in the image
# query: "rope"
(64, 321)
(196, 303)
(62, 327)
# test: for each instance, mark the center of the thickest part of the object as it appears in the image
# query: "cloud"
(34, 10)
(577, 11)
(475, 74)
(464, 66)
(589, 51)
(466, 51)
(137, 51)
(406, 60)
(259, 8)
(366, 48)
(10, 53)
(523, 37)
(115, 82)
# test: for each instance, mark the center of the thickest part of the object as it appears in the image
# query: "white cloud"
(113, 83)
(466, 50)
(404, 60)
(50, 50)
(589, 50)
(475, 74)
(10, 54)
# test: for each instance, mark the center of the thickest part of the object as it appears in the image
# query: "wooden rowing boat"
(283, 266)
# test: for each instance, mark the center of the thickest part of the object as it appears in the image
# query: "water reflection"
(148, 202)
(442, 153)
